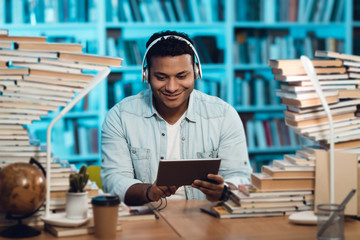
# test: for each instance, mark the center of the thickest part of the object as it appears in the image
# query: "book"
(36, 54)
(70, 64)
(234, 209)
(303, 95)
(22, 39)
(307, 88)
(63, 76)
(85, 229)
(301, 70)
(325, 127)
(341, 104)
(319, 53)
(267, 183)
(308, 102)
(317, 114)
(49, 47)
(249, 190)
(93, 59)
(219, 211)
(4, 63)
(317, 121)
(277, 172)
(298, 78)
(46, 67)
(343, 145)
(276, 206)
(53, 81)
(344, 94)
(291, 63)
(298, 159)
(289, 166)
(14, 71)
(306, 154)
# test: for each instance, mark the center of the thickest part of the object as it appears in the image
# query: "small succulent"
(78, 180)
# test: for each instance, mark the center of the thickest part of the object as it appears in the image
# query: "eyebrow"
(164, 74)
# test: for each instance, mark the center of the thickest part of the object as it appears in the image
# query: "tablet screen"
(185, 171)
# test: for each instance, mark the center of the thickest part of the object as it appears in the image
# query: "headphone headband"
(198, 71)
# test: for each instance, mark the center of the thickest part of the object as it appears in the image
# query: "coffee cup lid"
(105, 201)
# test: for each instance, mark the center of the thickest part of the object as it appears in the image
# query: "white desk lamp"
(308, 216)
(96, 80)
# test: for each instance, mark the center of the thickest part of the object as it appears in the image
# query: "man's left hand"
(213, 190)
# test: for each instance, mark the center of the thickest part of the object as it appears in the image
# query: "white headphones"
(197, 65)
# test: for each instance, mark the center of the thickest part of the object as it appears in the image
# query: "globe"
(22, 189)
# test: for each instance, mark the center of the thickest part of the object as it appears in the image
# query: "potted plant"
(77, 198)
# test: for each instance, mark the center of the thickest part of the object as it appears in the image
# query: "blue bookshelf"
(246, 33)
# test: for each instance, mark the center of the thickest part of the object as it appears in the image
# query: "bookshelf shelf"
(272, 150)
(268, 108)
(231, 78)
(287, 25)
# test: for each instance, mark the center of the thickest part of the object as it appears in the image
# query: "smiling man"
(169, 121)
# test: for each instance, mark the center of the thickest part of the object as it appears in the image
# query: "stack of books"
(37, 77)
(250, 201)
(284, 187)
(339, 79)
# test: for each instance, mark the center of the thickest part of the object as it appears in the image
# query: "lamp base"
(304, 218)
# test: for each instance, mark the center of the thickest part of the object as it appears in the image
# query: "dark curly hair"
(169, 46)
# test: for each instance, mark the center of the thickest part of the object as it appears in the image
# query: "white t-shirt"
(173, 150)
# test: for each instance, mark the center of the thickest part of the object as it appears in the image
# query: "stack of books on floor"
(339, 79)
(37, 77)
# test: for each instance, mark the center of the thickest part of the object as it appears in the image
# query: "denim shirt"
(134, 139)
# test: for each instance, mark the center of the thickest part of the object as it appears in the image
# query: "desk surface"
(183, 219)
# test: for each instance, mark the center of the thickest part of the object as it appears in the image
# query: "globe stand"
(20, 230)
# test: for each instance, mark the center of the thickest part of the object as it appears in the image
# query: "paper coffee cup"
(105, 213)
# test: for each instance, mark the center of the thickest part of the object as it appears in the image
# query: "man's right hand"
(157, 192)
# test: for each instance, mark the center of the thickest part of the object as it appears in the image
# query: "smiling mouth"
(171, 95)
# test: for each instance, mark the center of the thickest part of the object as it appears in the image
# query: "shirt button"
(133, 151)
(161, 158)
(163, 134)
(183, 139)
(245, 163)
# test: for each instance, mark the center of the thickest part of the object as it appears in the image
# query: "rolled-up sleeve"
(235, 166)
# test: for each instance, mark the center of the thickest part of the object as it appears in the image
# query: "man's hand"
(157, 192)
(212, 191)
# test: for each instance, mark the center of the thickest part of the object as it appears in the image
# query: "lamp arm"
(96, 80)
(309, 68)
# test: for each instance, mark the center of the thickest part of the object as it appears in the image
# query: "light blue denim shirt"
(134, 139)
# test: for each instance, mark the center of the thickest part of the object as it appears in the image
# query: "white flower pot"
(76, 205)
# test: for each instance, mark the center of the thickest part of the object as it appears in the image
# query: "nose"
(172, 85)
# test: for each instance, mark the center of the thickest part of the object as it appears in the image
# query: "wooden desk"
(190, 223)
(183, 219)
(146, 229)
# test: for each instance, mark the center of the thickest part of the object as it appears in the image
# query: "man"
(171, 120)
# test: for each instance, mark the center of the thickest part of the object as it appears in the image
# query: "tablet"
(185, 171)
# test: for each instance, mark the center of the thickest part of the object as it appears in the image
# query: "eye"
(182, 76)
(160, 78)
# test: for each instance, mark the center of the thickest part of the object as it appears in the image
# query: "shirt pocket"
(208, 154)
(141, 162)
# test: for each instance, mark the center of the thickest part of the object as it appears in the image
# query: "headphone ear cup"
(196, 71)
(146, 75)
